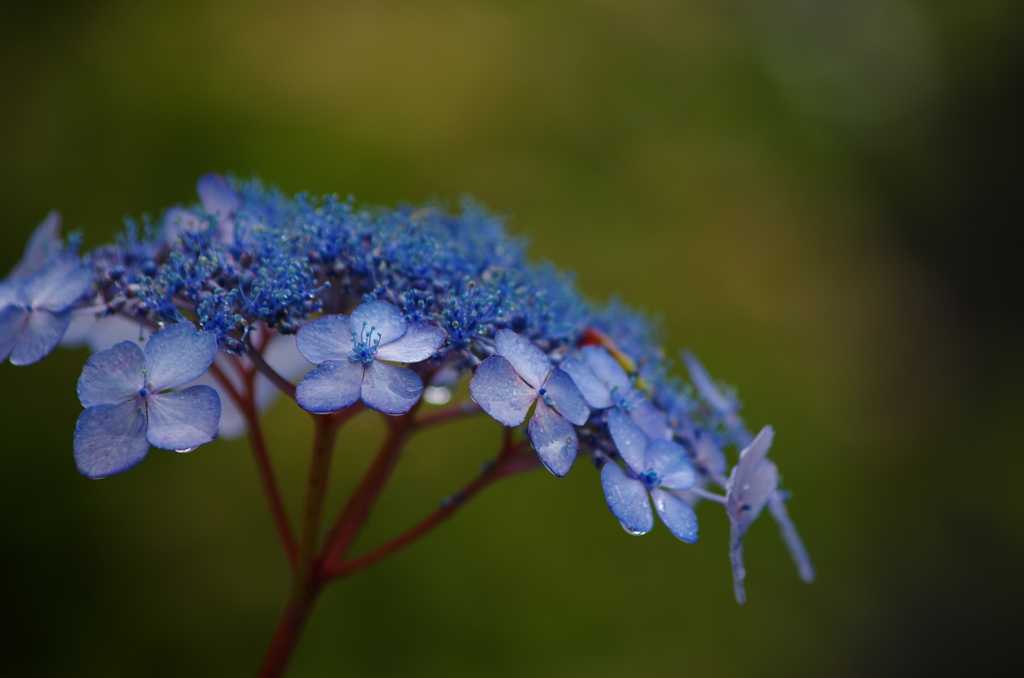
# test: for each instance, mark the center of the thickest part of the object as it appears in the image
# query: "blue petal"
(529, 361)
(110, 439)
(326, 338)
(332, 386)
(554, 438)
(501, 392)
(593, 389)
(669, 461)
(12, 321)
(650, 419)
(751, 482)
(383, 317)
(706, 386)
(112, 376)
(627, 498)
(10, 292)
(184, 419)
(177, 221)
(791, 537)
(605, 367)
(677, 515)
(217, 196)
(177, 355)
(566, 397)
(43, 245)
(629, 440)
(418, 343)
(391, 389)
(41, 335)
(58, 285)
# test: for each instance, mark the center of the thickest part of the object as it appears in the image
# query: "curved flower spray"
(198, 320)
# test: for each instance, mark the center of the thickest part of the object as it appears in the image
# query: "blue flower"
(218, 199)
(651, 464)
(507, 384)
(37, 297)
(127, 408)
(752, 482)
(348, 354)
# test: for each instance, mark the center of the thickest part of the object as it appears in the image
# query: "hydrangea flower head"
(128, 407)
(349, 354)
(507, 383)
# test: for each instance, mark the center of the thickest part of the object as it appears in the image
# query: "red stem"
(448, 413)
(286, 635)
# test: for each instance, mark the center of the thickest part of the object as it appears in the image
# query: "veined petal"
(391, 389)
(177, 355)
(12, 322)
(332, 386)
(677, 515)
(593, 389)
(384, 318)
(112, 376)
(629, 440)
(669, 461)
(184, 419)
(529, 361)
(41, 334)
(554, 438)
(605, 367)
(627, 498)
(58, 285)
(110, 439)
(566, 397)
(502, 393)
(418, 343)
(326, 338)
(217, 196)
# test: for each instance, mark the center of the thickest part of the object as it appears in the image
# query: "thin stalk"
(326, 429)
(448, 413)
(286, 634)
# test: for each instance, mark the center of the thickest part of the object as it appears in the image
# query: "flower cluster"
(375, 305)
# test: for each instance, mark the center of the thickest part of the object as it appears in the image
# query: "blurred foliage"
(820, 198)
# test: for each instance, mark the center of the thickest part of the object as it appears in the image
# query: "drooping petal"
(706, 385)
(629, 440)
(391, 389)
(40, 336)
(43, 245)
(332, 386)
(58, 285)
(326, 338)
(604, 365)
(110, 439)
(649, 418)
(529, 361)
(566, 398)
(418, 343)
(627, 498)
(739, 573)
(554, 438)
(669, 461)
(177, 355)
(593, 389)
(502, 393)
(184, 419)
(777, 507)
(677, 515)
(112, 376)
(751, 482)
(217, 196)
(383, 318)
(12, 322)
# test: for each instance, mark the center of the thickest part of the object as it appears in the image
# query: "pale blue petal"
(706, 386)
(217, 196)
(391, 389)
(332, 386)
(669, 461)
(10, 292)
(629, 440)
(677, 515)
(43, 245)
(12, 321)
(58, 285)
(178, 220)
(417, 344)
(110, 439)
(554, 438)
(650, 419)
(751, 482)
(326, 338)
(502, 393)
(112, 376)
(605, 367)
(529, 361)
(383, 318)
(627, 498)
(184, 419)
(593, 389)
(41, 335)
(566, 398)
(777, 507)
(177, 355)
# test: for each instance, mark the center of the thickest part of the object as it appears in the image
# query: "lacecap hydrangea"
(199, 319)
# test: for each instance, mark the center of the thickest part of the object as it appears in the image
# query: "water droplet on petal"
(629, 530)
(187, 449)
(437, 395)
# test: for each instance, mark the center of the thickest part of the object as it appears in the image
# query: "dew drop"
(187, 449)
(629, 530)
(437, 395)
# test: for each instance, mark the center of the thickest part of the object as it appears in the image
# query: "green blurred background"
(820, 197)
